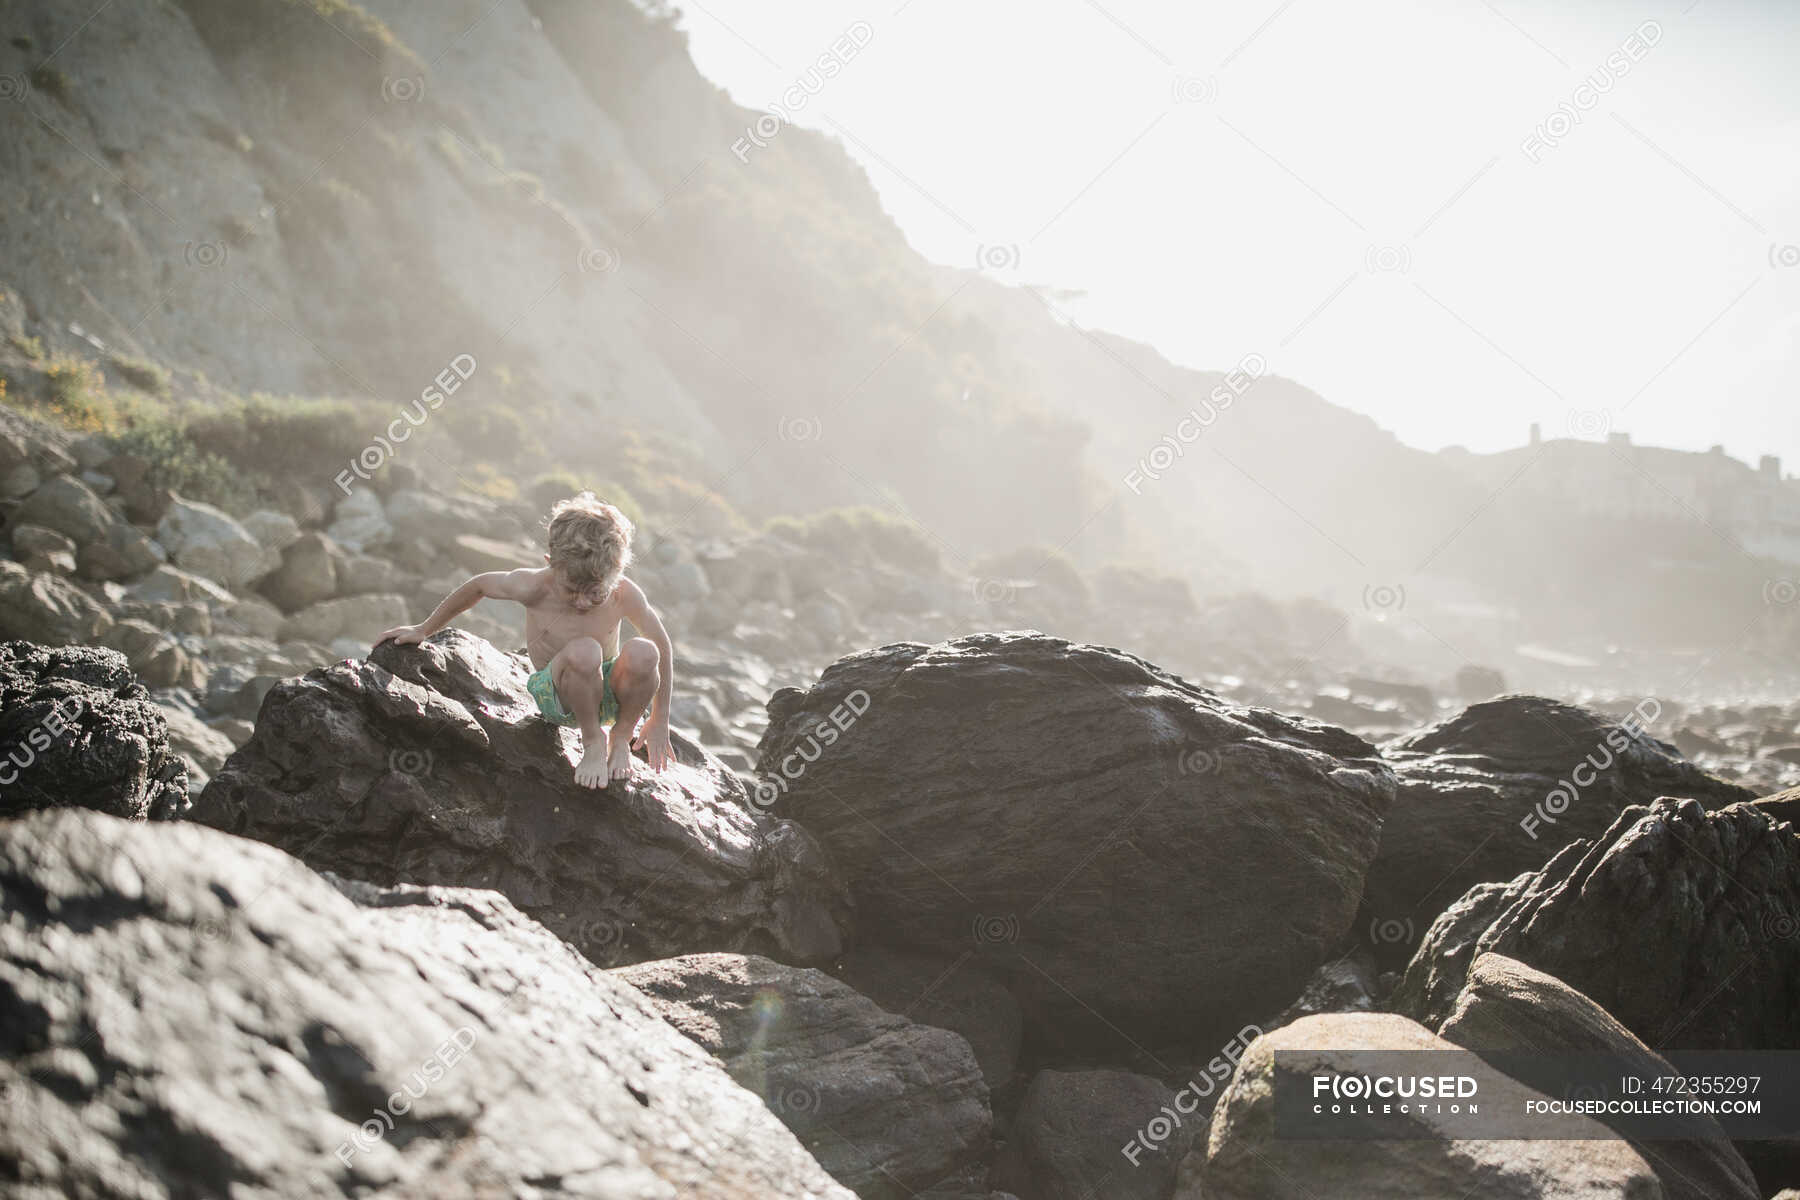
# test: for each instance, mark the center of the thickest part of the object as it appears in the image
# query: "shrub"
(268, 436)
(552, 486)
(861, 532)
(1045, 566)
(75, 395)
(178, 464)
(145, 376)
(53, 83)
(1145, 589)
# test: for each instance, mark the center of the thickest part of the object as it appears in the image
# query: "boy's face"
(581, 597)
(577, 595)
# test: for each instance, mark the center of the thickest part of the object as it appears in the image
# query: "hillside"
(319, 199)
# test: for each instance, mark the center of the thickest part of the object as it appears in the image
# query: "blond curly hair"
(590, 543)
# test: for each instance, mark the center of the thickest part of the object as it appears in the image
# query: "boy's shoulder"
(524, 584)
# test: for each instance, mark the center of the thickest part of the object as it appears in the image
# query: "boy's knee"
(583, 654)
(640, 658)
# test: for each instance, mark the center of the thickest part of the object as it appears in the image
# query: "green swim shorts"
(543, 690)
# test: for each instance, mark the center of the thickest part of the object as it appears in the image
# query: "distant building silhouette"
(1615, 479)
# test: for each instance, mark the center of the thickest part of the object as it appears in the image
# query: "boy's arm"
(644, 619)
(503, 585)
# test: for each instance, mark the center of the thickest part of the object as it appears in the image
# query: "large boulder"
(430, 764)
(1245, 1159)
(1077, 1134)
(81, 731)
(37, 606)
(123, 552)
(191, 1014)
(211, 542)
(307, 575)
(437, 518)
(359, 522)
(1496, 790)
(361, 617)
(170, 585)
(1677, 921)
(951, 993)
(887, 1106)
(70, 507)
(203, 748)
(156, 656)
(1509, 1008)
(1142, 859)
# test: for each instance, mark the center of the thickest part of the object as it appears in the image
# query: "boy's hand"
(402, 635)
(653, 740)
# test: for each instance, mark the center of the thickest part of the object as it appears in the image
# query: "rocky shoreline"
(950, 957)
(1000, 914)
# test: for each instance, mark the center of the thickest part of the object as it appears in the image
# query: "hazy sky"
(1346, 189)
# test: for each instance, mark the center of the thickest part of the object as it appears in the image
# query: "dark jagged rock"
(951, 993)
(1496, 790)
(1244, 1159)
(1066, 1141)
(887, 1106)
(1507, 1006)
(1783, 806)
(430, 764)
(1345, 984)
(192, 1014)
(77, 729)
(1650, 921)
(1141, 858)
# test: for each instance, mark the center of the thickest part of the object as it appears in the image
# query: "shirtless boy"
(573, 607)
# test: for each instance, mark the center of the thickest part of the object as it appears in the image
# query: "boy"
(573, 607)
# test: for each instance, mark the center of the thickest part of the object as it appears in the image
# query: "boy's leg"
(636, 675)
(576, 672)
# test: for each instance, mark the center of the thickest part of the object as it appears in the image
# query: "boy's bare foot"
(591, 770)
(619, 760)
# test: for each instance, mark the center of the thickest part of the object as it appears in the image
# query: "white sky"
(1210, 175)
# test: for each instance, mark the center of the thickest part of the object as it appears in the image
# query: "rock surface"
(1065, 1141)
(887, 1106)
(211, 542)
(37, 606)
(70, 507)
(951, 993)
(189, 1013)
(1679, 922)
(1508, 1006)
(430, 764)
(1468, 783)
(1243, 1159)
(78, 730)
(1131, 851)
